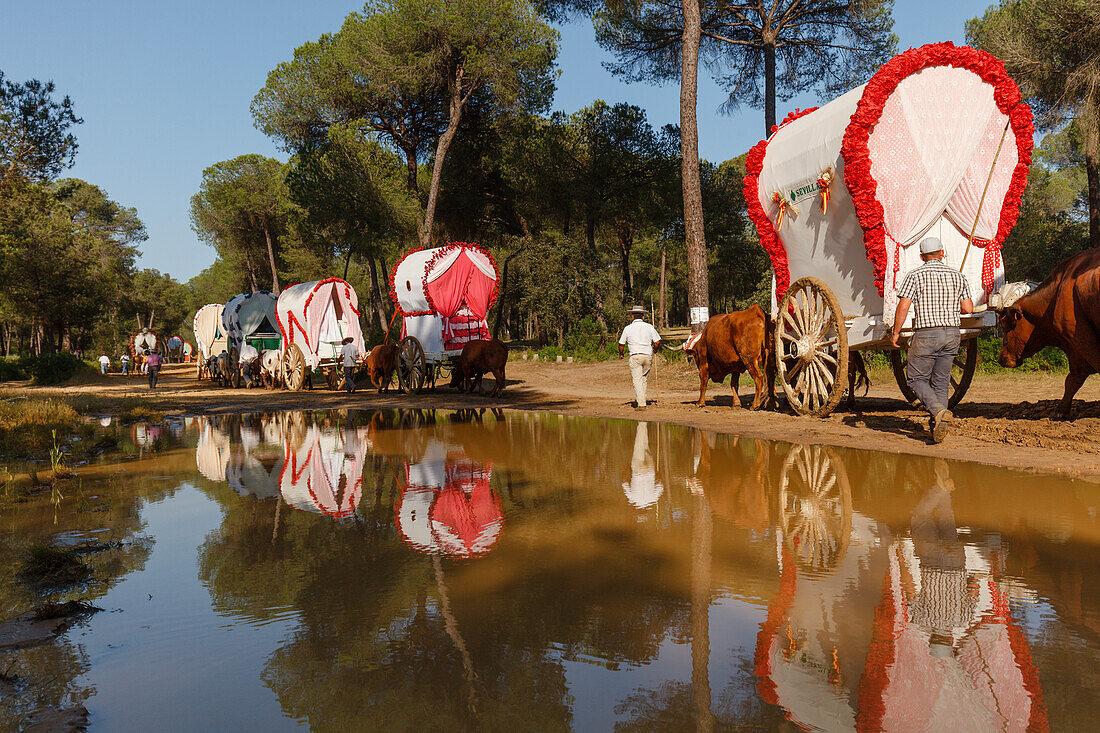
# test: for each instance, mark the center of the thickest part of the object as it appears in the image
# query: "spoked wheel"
(811, 348)
(962, 372)
(294, 368)
(815, 506)
(411, 367)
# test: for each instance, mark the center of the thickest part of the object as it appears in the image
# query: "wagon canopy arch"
(252, 317)
(444, 295)
(209, 333)
(317, 316)
(843, 191)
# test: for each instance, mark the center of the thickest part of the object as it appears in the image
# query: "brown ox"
(380, 363)
(735, 343)
(1064, 311)
(478, 358)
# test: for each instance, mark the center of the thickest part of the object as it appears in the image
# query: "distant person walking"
(125, 364)
(350, 355)
(104, 363)
(152, 363)
(938, 294)
(639, 338)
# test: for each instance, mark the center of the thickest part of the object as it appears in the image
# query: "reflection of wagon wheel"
(411, 367)
(294, 368)
(811, 348)
(962, 372)
(235, 367)
(815, 506)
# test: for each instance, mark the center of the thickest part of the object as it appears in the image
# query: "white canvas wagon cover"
(843, 191)
(445, 295)
(144, 340)
(250, 314)
(208, 329)
(317, 316)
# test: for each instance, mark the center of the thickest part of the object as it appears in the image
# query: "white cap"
(928, 245)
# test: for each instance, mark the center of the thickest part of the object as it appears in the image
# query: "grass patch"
(32, 424)
(50, 565)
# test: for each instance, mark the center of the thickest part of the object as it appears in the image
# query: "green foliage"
(35, 141)
(13, 369)
(1049, 359)
(49, 565)
(56, 368)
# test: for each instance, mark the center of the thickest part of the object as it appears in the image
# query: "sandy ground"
(1006, 419)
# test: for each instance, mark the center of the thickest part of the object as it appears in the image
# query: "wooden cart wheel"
(962, 372)
(811, 348)
(411, 367)
(294, 368)
(815, 506)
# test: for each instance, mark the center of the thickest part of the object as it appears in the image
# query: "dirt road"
(1006, 419)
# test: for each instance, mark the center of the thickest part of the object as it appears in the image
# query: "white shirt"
(349, 353)
(248, 352)
(106, 360)
(639, 337)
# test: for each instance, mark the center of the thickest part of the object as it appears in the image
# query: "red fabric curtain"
(449, 289)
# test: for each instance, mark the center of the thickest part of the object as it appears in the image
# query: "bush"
(57, 368)
(1050, 359)
(13, 369)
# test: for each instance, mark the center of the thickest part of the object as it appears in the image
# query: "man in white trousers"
(639, 338)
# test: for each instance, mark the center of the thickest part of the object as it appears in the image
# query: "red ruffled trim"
(769, 239)
(777, 615)
(857, 161)
(1021, 653)
(880, 657)
(287, 332)
(443, 251)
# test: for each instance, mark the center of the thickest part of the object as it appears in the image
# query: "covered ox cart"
(175, 349)
(937, 143)
(209, 335)
(314, 319)
(250, 318)
(444, 296)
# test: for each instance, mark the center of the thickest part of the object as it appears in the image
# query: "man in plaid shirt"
(939, 294)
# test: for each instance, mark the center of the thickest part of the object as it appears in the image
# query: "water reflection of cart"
(444, 296)
(250, 318)
(323, 471)
(935, 645)
(447, 506)
(937, 143)
(314, 318)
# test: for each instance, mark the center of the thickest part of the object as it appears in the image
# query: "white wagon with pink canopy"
(314, 319)
(937, 143)
(444, 296)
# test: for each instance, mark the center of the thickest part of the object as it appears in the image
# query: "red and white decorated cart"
(444, 296)
(937, 143)
(314, 319)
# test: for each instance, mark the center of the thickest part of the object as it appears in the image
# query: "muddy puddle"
(477, 571)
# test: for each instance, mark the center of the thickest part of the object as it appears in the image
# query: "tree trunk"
(689, 160)
(701, 531)
(444, 142)
(502, 298)
(376, 295)
(661, 295)
(251, 270)
(769, 88)
(411, 171)
(1092, 173)
(271, 261)
(626, 243)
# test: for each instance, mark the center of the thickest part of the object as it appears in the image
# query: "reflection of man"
(643, 489)
(947, 599)
(639, 338)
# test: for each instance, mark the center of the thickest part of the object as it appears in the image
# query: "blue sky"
(164, 89)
